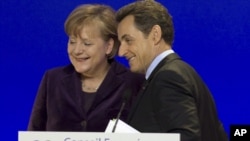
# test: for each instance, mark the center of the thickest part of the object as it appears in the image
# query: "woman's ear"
(156, 34)
(110, 45)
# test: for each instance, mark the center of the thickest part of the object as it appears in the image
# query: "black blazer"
(176, 100)
(59, 105)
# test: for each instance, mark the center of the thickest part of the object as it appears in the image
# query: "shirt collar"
(156, 61)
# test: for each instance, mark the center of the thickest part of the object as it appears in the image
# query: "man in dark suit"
(174, 98)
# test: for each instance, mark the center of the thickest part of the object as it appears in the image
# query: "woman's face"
(88, 51)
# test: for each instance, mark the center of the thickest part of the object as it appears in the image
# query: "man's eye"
(128, 40)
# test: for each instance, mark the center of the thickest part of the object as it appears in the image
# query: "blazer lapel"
(71, 84)
(109, 85)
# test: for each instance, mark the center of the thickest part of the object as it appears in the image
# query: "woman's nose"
(78, 49)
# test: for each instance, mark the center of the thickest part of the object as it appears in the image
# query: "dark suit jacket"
(176, 100)
(59, 106)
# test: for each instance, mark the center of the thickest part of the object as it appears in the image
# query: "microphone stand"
(118, 116)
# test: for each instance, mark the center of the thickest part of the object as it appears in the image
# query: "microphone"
(125, 98)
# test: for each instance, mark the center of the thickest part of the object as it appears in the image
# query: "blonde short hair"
(101, 15)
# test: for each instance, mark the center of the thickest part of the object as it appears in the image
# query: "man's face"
(137, 48)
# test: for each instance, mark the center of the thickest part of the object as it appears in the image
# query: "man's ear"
(156, 34)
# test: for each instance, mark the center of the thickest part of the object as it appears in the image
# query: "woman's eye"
(87, 44)
(72, 42)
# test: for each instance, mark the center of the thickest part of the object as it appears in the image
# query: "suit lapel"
(167, 59)
(137, 101)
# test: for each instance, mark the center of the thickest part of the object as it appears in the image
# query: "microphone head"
(126, 95)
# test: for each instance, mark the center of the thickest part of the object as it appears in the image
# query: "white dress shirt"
(156, 61)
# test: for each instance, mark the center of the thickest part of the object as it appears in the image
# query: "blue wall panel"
(213, 36)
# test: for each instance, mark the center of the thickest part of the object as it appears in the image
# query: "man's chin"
(136, 70)
(133, 69)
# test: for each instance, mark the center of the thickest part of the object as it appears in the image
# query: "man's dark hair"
(148, 13)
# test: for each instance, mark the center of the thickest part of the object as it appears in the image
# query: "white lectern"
(95, 136)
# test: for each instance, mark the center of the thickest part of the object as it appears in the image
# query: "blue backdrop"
(213, 36)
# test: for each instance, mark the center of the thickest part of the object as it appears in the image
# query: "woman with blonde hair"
(86, 94)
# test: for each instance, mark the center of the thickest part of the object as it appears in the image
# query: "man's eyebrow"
(124, 36)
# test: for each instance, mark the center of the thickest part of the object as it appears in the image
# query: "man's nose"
(122, 50)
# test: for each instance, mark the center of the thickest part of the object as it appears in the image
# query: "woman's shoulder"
(60, 70)
(123, 71)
